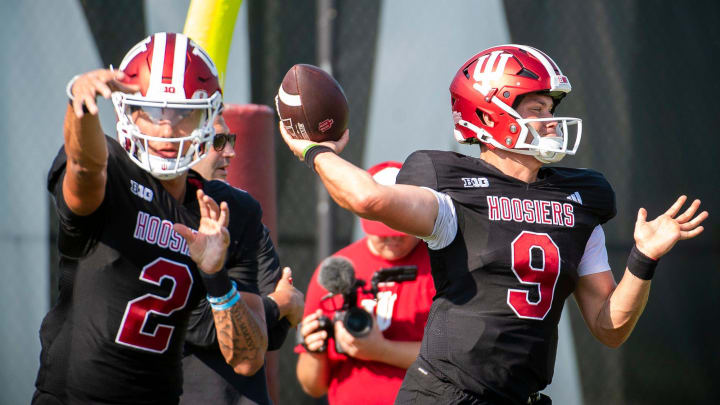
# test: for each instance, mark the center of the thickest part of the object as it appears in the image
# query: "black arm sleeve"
(277, 328)
(269, 273)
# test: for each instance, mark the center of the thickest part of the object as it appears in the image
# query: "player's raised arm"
(84, 182)
(239, 318)
(610, 311)
(409, 209)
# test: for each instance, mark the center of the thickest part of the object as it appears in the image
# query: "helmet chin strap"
(154, 161)
(549, 142)
(546, 144)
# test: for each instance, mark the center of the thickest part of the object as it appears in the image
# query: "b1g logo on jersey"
(141, 191)
(475, 182)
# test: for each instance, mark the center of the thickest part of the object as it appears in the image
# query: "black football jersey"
(502, 282)
(116, 334)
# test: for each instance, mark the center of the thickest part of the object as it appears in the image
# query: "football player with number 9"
(142, 239)
(510, 239)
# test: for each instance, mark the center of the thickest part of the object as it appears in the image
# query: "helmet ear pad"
(501, 126)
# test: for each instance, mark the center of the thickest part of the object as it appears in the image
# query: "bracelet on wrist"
(68, 88)
(224, 298)
(221, 307)
(311, 152)
(641, 266)
(71, 98)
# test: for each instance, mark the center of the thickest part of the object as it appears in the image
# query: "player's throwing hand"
(657, 237)
(86, 87)
(299, 146)
(208, 246)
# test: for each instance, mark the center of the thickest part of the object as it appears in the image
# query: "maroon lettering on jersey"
(137, 313)
(530, 211)
(493, 208)
(545, 276)
(151, 236)
(505, 210)
(557, 218)
(166, 228)
(160, 232)
(516, 210)
(569, 215)
(142, 220)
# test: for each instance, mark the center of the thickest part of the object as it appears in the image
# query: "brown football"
(311, 104)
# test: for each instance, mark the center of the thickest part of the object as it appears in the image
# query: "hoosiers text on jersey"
(530, 211)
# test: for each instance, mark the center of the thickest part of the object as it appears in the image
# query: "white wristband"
(68, 88)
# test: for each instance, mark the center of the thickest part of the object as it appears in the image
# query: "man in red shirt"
(372, 367)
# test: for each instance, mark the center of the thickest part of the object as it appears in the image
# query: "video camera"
(337, 275)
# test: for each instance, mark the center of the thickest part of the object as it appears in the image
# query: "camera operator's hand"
(370, 347)
(313, 337)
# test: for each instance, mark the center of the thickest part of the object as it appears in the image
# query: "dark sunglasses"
(221, 139)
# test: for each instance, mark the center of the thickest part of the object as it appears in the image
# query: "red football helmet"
(178, 81)
(491, 82)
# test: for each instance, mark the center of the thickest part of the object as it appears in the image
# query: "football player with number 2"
(509, 238)
(139, 231)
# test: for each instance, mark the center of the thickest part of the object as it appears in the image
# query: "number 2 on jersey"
(542, 275)
(138, 311)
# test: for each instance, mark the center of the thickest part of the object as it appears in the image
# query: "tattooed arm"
(242, 334)
(239, 317)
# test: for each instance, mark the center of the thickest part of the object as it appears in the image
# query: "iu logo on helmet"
(325, 125)
(484, 73)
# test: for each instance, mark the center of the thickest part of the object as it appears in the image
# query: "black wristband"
(216, 284)
(641, 266)
(312, 153)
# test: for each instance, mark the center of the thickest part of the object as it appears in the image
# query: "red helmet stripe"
(167, 71)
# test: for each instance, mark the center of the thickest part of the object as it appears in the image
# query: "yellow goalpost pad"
(211, 23)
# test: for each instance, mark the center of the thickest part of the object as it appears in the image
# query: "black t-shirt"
(116, 334)
(502, 283)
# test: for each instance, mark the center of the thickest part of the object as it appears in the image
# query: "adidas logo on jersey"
(575, 197)
(475, 182)
(141, 191)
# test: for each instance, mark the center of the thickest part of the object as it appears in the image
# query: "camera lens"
(357, 321)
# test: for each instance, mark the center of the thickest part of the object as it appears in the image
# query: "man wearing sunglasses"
(214, 165)
(206, 376)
